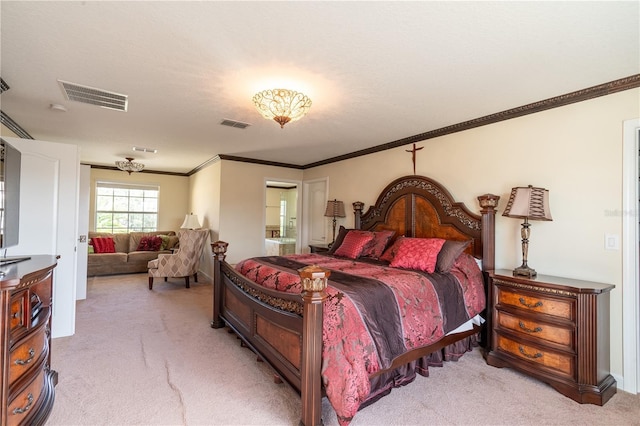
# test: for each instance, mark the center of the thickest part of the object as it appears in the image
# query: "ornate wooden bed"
(285, 329)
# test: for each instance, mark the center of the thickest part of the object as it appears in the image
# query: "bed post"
(314, 283)
(219, 249)
(357, 212)
(488, 202)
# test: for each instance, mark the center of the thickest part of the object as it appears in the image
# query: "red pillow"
(376, 246)
(103, 245)
(353, 244)
(150, 244)
(389, 253)
(418, 253)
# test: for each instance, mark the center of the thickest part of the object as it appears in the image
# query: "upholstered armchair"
(184, 262)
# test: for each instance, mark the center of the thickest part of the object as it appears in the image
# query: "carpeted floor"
(143, 357)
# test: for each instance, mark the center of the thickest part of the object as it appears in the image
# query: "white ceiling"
(376, 72)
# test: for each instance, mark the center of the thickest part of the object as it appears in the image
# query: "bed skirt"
(383, 384)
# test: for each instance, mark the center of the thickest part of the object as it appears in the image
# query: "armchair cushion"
(183, 262)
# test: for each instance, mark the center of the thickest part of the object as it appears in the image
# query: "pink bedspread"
(355, 334)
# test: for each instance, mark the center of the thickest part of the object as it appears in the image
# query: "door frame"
(298, 185)
(307, 206)
(630, 252)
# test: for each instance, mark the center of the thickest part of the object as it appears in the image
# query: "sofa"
(124, 252)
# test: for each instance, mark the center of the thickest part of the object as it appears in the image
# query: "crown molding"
(609, 88)
(604, 89)
(13, 126)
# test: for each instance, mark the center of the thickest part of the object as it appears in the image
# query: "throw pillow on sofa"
(103, 245)
(150, 244)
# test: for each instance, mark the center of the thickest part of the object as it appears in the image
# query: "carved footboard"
(269, 322)
(283, 329)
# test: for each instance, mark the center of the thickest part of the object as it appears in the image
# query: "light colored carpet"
(143, 357)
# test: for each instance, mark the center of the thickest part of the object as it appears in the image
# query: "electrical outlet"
(611, 242)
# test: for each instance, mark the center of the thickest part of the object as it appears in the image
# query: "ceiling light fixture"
(282, 105)
(129, 165)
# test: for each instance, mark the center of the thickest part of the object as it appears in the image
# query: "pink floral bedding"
(374, 313)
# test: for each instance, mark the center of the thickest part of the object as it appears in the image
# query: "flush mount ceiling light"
(129, 165)
(282, 105)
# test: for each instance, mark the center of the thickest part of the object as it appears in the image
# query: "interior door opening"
(281, 218)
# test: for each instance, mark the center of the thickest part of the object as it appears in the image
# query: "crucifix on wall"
(413, 156)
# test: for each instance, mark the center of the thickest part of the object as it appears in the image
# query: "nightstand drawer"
(538, 329)
(536, 303)
(559, 362)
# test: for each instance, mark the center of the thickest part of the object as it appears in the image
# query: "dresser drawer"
(563, 336)
(18, 314)
(536, 303)
(560, 363)
(27, 353)
(20, 407)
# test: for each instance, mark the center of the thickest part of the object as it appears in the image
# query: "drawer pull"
(32, 353)
(16, 314)
(534, 356)
(529, 305)
(19, 410)
(529, 330)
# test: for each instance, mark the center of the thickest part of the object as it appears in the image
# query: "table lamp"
(190, 222)
(334, 209)
(527, 203)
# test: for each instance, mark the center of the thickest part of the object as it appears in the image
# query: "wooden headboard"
(417, 206)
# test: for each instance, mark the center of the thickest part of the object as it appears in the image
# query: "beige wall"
(236, 206)
(173, 201)
(205, 202)
(242, 197)
(574, 151)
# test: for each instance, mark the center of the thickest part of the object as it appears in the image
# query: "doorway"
(281, 228)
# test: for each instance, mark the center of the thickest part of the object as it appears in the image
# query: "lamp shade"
(335, 208)
(190, 222)
(528, 202)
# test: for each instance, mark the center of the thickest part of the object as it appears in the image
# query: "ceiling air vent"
(93, 96)
(141, 149)
(233, 123)
(3, 86)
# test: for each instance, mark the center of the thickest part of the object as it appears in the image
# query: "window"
(126, 208)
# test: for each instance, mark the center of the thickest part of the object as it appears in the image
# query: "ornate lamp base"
(524, 270)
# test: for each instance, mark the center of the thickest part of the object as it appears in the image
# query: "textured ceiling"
(376, 72)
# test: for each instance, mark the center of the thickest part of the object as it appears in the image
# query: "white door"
(48, 218)
(315, 200)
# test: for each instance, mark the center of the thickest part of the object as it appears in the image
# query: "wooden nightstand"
(554, 329)
(318, 248)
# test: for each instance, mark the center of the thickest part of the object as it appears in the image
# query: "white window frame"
(129, 187)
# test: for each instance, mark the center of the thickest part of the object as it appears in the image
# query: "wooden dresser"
(28, 381)
(554, 329)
